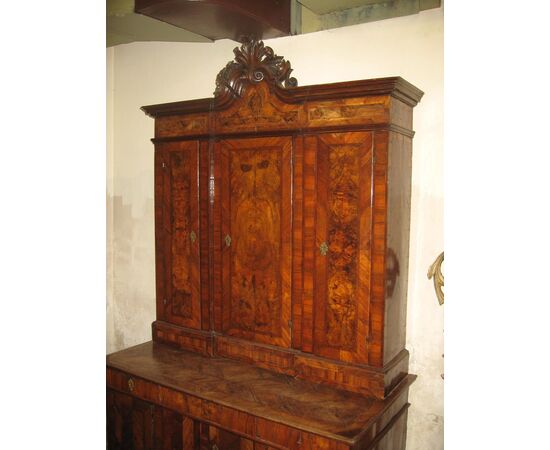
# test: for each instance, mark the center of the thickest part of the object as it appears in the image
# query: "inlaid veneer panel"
(192, 124)
(351, 111)
(342, 244)
(259, 110)
(255, 238)
(180, 232)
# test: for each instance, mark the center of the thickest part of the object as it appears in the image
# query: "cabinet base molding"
(185, 338)
(246, 403)
(366, 380)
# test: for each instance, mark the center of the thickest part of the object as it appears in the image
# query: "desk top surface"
(300, 404)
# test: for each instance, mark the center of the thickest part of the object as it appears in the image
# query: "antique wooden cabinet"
(282, 235)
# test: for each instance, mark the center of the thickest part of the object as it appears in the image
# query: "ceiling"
(328, 6)
(306, 16)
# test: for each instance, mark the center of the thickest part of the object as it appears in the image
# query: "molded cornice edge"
(395, 86)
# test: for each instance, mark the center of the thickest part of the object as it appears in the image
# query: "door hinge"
(211, 189)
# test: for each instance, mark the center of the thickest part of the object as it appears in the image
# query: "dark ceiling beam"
(223, 19)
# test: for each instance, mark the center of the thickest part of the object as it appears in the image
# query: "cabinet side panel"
(395, 437)
(397, 243)
(401, 114)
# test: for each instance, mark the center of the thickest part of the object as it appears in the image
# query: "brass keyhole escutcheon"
(323, 248)
(228, 240)
(193, 237)
(131, 384)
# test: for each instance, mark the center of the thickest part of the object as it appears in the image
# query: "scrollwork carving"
(439, 280)
(254, 62)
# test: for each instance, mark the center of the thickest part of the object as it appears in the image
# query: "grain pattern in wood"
(133, 424)
(342, 268)
(305, 272)
(180, 234)
(160, 255)
(395, 87)
(309, 240)
(350, 111)
(204, 236)
(187, 338)
(378, 252)
(366, 380)
(256, 239)
(225, 440)
(297, 241)
(193, 124)
(215, 389)
(258, 110)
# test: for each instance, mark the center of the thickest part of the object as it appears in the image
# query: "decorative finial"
(253, 63)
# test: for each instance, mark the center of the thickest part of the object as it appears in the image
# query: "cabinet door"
(342, 259)
(133, 424)
(178, 244)
(129, 423)
(213, 438)
(254, 240)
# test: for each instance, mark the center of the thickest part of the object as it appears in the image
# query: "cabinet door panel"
(181, 304)
(342, 244)
(255, 238)
(119, 421)
(133, 424)
(129, 423)
(217, 438)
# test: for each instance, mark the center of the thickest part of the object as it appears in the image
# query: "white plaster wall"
(110, 142)
(150, 73)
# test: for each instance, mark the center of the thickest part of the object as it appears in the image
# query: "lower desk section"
(161, 398)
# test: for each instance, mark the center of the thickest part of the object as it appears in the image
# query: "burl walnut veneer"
(282, 234)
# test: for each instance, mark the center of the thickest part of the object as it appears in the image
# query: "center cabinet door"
(254, 239)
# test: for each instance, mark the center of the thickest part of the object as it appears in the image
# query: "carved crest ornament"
(253, 63)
